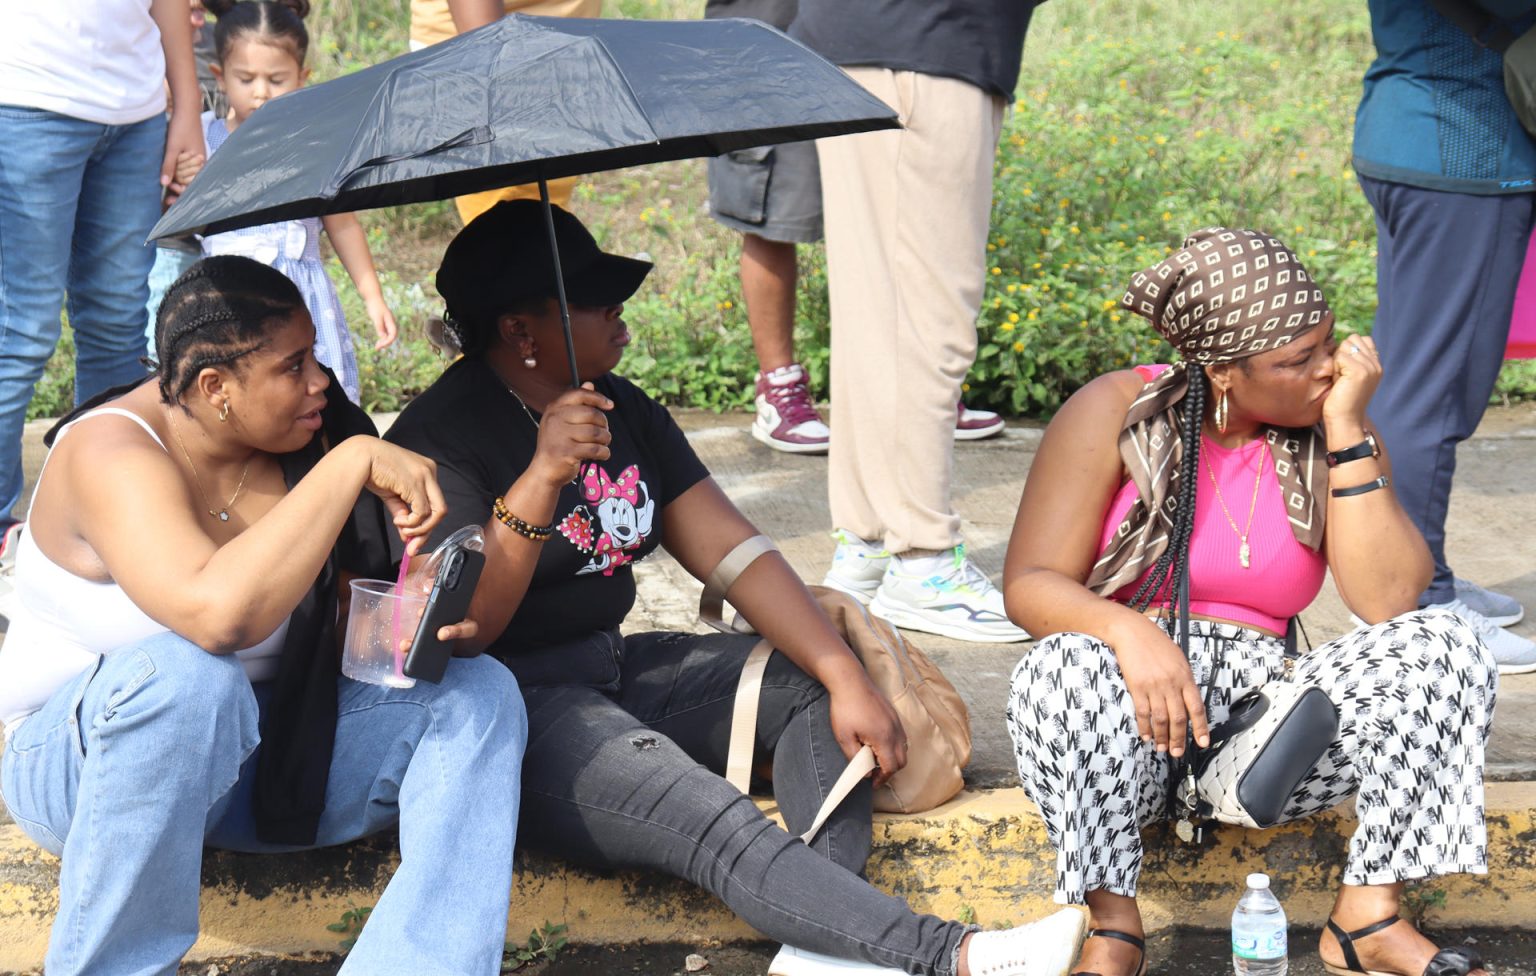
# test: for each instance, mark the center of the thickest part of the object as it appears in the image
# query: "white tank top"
(62, 622)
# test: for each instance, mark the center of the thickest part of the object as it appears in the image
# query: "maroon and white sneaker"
(975, 425)
(786, 417)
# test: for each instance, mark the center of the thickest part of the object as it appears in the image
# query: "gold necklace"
(1244, 554)
(222, 514)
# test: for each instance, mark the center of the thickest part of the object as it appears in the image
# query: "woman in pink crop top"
(1248, 468)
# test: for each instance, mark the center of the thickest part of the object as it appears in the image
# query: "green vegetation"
(1134, 123)
(543, 945)
(350, 926)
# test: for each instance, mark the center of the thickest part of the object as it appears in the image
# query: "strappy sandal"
(1140, 944)
(1450, 961)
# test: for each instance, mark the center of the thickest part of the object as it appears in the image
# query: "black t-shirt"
(482, 440)
(977, 41)
(777, 13)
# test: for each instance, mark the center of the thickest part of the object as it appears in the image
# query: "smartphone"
(458, 572)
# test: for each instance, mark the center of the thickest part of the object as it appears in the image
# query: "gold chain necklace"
(222, 514)
(1244, 554)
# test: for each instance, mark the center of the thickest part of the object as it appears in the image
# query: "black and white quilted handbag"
(1272, 739)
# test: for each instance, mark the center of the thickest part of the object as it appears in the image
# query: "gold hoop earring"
(1221, 413)
(224, 411)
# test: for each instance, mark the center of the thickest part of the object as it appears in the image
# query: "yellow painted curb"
(984, 851)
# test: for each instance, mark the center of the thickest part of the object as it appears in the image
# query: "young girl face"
(253, 73)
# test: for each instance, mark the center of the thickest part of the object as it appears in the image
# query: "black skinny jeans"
(624, 769)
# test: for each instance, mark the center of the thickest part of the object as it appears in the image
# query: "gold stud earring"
(1221, 413)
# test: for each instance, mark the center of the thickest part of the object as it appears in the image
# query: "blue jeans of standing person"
(77, 200)
(627, 741)
(1447, 267)
(130, 768)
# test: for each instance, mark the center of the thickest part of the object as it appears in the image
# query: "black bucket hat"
(503, 257)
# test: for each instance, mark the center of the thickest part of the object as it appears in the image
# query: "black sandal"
(1450, 961)
(1140, 944)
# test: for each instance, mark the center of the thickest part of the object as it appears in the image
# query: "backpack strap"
(723, 576)
(738, 760)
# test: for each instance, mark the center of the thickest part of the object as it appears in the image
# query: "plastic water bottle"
(1258, 931)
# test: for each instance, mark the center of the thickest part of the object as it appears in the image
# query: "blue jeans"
(170, 263)
(77, 200)
(130, 768)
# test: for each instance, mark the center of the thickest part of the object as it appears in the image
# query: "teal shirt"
(1434, 113)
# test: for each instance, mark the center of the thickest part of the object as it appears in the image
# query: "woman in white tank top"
(176, 644)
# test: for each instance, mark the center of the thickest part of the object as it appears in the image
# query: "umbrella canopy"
(517, 101)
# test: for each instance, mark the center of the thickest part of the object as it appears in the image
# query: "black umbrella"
(523, 100)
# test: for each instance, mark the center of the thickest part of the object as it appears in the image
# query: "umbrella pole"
(565, 309)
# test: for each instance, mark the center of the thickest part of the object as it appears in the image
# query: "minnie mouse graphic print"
(607, 521)
(615, 520)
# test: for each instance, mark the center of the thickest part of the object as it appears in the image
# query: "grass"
(1135, 122)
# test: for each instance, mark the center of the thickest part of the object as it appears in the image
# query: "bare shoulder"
(1102, 404)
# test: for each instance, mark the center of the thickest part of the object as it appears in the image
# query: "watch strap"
(1364, 449)
(1381, 482)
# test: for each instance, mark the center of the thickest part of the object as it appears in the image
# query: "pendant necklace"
(576, 479)
(1244, 553)
(222, 514)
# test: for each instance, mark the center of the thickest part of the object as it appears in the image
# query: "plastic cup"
(381, 617)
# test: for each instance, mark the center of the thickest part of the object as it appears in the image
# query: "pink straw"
(405, 567)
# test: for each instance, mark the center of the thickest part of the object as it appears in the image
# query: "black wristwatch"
(1364, 449)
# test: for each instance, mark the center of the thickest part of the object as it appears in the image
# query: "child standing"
(260, 46)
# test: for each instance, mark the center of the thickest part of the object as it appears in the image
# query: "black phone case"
(448, 603)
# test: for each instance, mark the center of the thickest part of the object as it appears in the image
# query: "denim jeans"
(130, 768)
(170, 263)
(77, 200)
(624, 770)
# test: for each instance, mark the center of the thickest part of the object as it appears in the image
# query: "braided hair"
(279, 23)
(1172, 567)
(216, 314)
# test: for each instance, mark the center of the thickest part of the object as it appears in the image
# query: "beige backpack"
(931, 711)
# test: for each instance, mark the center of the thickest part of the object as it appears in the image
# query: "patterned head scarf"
(1224, 296)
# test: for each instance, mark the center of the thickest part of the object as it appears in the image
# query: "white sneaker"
(857, 566)
(958, 602)
(803, 962)
(1500, 609)
(1513, 653)
(787, 419)
(1048, 947)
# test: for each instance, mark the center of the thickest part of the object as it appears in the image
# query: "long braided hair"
(217, 313)
(1171, 570)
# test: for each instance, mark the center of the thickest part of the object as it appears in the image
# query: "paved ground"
(1182, 952)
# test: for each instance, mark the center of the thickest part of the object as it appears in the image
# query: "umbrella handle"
(565, 309)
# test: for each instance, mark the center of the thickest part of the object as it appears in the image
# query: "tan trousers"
(906, 222)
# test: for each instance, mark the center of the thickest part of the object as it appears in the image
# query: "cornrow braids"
(276, 22)
(1172, 567)
(216, 314)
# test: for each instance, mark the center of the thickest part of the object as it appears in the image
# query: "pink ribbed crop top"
(1284, 576)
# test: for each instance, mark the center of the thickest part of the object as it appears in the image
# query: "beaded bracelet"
(533, 533)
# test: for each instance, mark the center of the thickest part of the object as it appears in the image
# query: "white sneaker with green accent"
(857, 566)
(958, 601)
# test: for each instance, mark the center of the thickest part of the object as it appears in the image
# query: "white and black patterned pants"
(1415, 697)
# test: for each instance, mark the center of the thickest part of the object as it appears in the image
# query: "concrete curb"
(984, 851)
